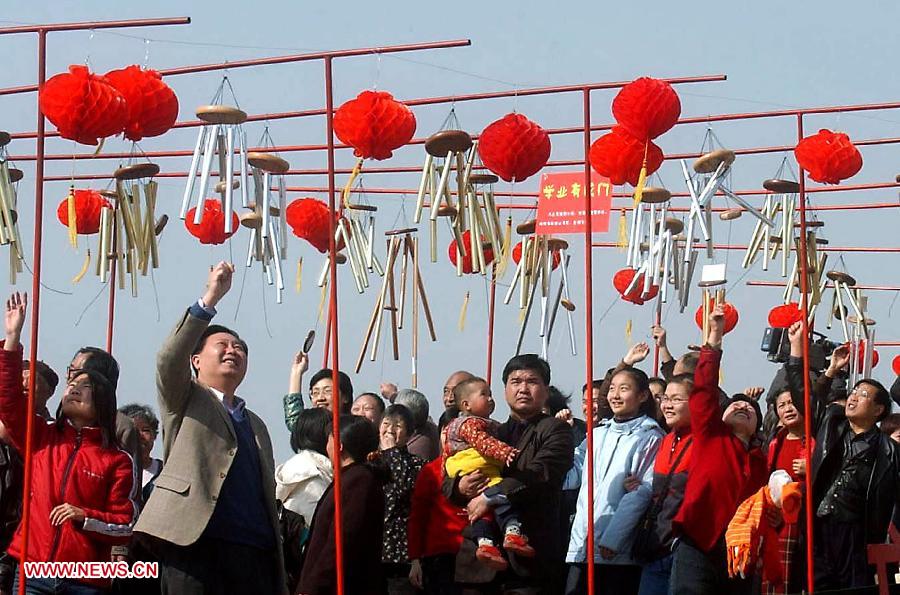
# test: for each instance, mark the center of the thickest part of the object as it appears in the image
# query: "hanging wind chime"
(9, 227)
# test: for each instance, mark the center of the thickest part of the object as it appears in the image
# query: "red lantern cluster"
(152, 104)
(211, 229)
(828, 156)
(517, 256)
(466, 256)
(622, 280)
(88, 204)
(84, 107)
(646, 107)
(731, 316)
(514, 147)
(309, 220)
(619, 156)
(785, 315)
(374, 124)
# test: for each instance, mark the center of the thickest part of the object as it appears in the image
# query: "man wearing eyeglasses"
(856, 471)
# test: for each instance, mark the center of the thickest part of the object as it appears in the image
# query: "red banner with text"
(561, 203)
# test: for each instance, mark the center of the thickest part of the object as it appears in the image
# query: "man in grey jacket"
(212, 515)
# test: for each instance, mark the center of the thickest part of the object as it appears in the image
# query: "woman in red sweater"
(727, 467)
(83, 495)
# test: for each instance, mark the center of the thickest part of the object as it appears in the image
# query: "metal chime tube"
(442, 186)
(565, 285)
(229, 177)
(264, 201)
(424, 184)
(192, 171)
(245, 188)
(209, 151)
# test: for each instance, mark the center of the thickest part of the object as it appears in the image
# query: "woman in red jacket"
(82, 491)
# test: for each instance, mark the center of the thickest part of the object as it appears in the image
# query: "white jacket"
(620, 449)
(301, 481)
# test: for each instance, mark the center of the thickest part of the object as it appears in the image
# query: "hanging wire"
(377, 70)
(146, 53)
(87, 57)
(90, 303)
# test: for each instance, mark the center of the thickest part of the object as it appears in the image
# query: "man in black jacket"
(533, 482)
(855, 472)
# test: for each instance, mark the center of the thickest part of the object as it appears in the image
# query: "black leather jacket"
(830, 425)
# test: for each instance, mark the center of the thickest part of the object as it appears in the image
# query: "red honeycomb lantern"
(517, 256)
(309, 220)
(828, 156)
(514, 147)
(152, 104)
(374, 124)
(731, 316)
(646, 107)
(861, 355)
(466, 256)
(211, 229)
(895, 365)
(84, 107)
(619, 156)
(88, 204)
(785, 315)
(622, 280)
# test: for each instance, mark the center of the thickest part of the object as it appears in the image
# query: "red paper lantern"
(466, 256)
(785, 315)
(731, 316)
(514, 147)
(828, 156)
(517, 256)
(646, 107)
(88, 204)
(895, 365)
(309, 220)
(211, 229)
(619, 156)
(374, 124)
(84, 107)
(622, 280)
(152, 104)
(861, 355)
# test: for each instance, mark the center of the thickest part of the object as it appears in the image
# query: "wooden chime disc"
(273, 210)
(775, 239)
(556, 244)
(340, 258)
(853, 319)
(841, 277)
(713, 283)
(653, 195)
(820, 242)
(136, 171)
(567, 305)
(811, 224)
(400, 232)
(109, 194)
(251, 220)
(220, 186)
(781, 186)
(441, 143)
(161, 224)
(447, 211)
(526, 227)
(479, 179)
(15, 175)
(897, 179)
(221, 114)
(4, 138)
(676, 226)
(370, 208)
(709, 162)
(731, 214)
(268, 162)
(308, 343)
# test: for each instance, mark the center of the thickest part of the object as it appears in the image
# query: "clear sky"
(775, 55)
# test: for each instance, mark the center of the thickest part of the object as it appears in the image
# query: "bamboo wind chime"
(781, 202)
(129, 229)
(9, 227)
(857, 328)
(388, 300)
(652, 244)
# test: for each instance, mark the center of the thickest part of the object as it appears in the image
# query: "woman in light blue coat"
(624, 450)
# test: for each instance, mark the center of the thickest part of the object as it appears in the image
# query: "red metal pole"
(589, 337)
(827, 286)
(807, 418)
(333, 319)
(865, 249)
(35, 309)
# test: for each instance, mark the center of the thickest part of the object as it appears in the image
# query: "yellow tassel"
(322, 300)
(642, 179)
(84, 268)
(622, 232)
(353, 175)
(298, 284)
(462, 313)
(503, 261)
(628, 340)
(73, 226)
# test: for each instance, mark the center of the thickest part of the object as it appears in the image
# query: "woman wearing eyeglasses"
(83, 492)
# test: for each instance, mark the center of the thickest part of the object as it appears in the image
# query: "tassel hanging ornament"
(622, 232)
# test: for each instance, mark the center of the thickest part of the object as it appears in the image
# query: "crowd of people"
(693, 491)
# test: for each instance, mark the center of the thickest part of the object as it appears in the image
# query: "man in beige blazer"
(211, 517)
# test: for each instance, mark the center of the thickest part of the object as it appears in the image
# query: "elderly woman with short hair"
(424, 439)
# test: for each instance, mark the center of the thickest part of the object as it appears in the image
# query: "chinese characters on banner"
(561, 203)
